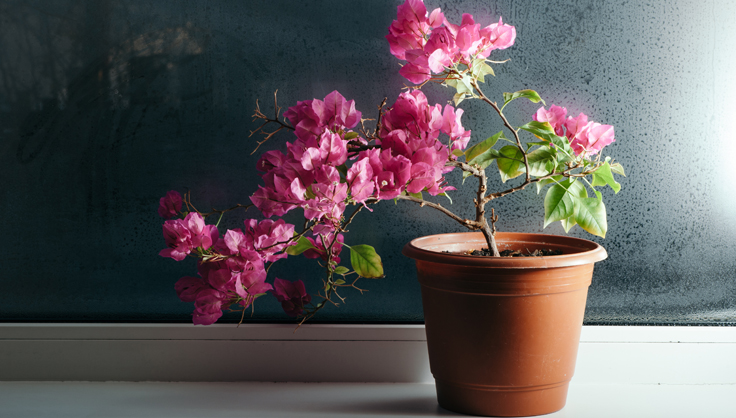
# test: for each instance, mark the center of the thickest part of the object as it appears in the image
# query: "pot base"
(501, 402)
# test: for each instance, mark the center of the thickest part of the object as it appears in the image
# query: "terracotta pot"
(503, 333)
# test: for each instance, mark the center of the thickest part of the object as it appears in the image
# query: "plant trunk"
(490, 237)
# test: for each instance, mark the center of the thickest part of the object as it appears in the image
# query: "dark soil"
(517, 253)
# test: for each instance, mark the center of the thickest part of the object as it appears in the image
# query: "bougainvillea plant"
(334, 167)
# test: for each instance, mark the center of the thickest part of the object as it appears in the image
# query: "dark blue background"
(106, 105)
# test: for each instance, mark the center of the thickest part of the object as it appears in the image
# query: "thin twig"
(465, 222)
(506, 123)
(260, 115)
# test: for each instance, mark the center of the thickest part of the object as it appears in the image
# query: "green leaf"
(458, 152)
(339, 282)
(447, 196)
(618, 169)
(510, 162)
(591, 216)
(541, 129)
(540, 184)
(479, 68)
(309, 193)
(416, 195)
(542, 161)
(366, 262)
(544, 131)
(350, 135)
(486, 158)
(559, 203)
(465, 85)
(341, 270)
(568, 223)
(532, 95)
(342, 169)
(302, 244)
(458, 98)
(482, 147)
(603, 176)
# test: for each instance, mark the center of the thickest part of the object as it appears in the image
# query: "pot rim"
(428, 248)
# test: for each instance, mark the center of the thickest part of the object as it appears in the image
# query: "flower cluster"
(409, 156)
(586, 138)
(232, 268)
(333, 163)
(429, 43)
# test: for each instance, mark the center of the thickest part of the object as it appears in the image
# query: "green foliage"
(463, 86)
(542, 161)
(510, 162)
(559, 203)
(482, 147)
(540, 184)
(591, 216)
(532, 95)
(568, 202)
(302, 244)
(447, 196)
(480, 68)
(366, 262)
(618, 169)
(603, 176)
(341, 270)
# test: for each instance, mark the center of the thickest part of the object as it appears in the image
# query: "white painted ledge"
(334, 353)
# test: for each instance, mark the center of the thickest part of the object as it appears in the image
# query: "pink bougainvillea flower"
(411, 26)
(591, 139)
(311, 117)
(220, 277)
(496, 36)
(270, 160)
(555, 116)
(178, 240)
(392, 180)
(265, 236)
(333, 149)
(201, 235)
(360, 180)
(468, 38)
(292, 295)
(575, 125)
(187, 288)
(329, 195)
(208, 306)
(340, 112)
(319, 249)
(417, 74)
(170, 205)
(452, 126)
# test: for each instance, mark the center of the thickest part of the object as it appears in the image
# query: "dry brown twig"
(260, 115)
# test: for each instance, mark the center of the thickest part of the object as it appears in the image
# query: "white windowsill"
(621, 371)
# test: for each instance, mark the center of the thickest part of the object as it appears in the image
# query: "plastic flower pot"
(503, 332)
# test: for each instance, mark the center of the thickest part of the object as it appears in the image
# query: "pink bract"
(178, 240)
(187, 288)
(292, 295)
(170, 205)
(264, 236)
(430, 44)
(591, 139)
(555, 116)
